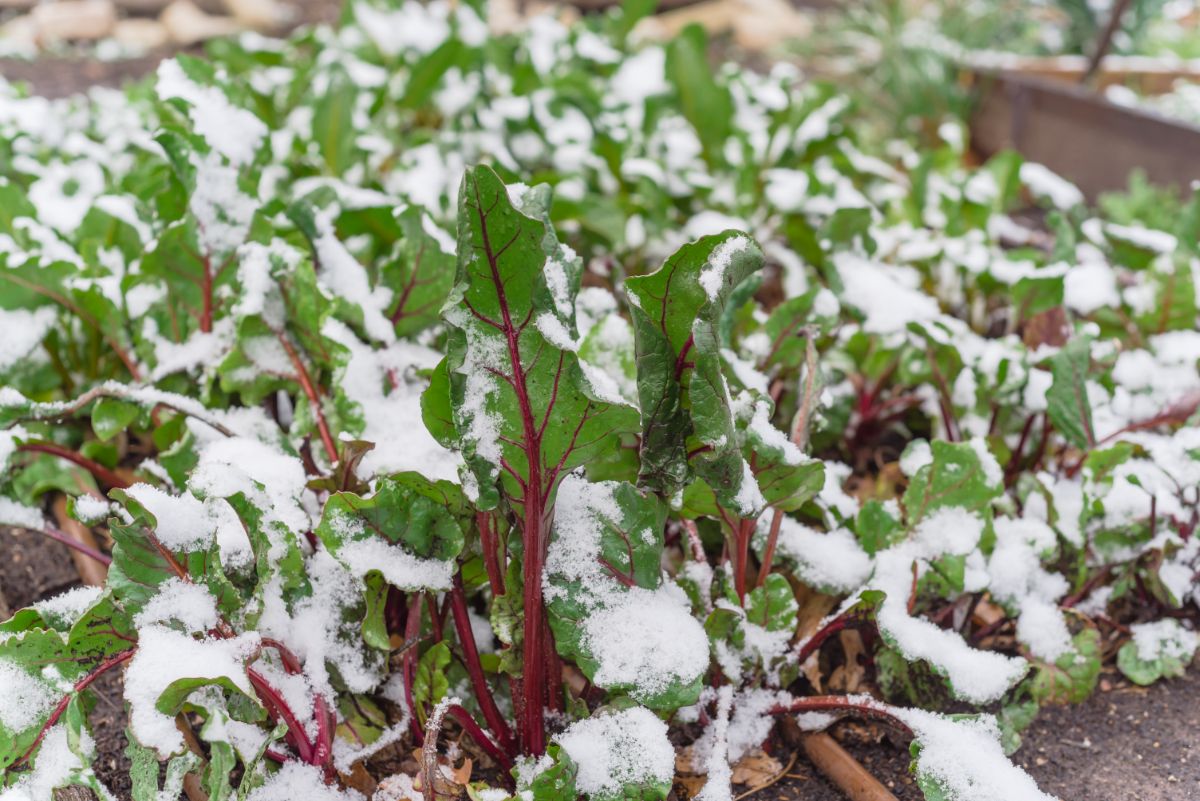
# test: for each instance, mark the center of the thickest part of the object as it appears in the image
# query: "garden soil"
(1125, 743)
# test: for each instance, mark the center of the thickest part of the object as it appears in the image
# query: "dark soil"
(33, 567)
(61, 76)
(1125, 743)
(109, 720)
(886, 761)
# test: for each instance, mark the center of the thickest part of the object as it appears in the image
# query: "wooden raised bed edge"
(1090, 141)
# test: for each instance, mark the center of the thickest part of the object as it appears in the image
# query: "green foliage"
(430, 683)
(509, 381)
(1073, 676)
(1067, 401)
(686, 416)
(718, 306)
(956, 477)
(1171, 649)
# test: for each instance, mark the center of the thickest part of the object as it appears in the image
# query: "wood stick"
(191, 782)
(843, 770)
(90, 571)
(1105, 41)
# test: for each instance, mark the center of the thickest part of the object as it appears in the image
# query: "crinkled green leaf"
(1168, 663)
(518, 395)
(1067, 403)
(1073, 676)
(955, 477)
(684, 397)
(396, 513)
(876, 528)
(429, 682)
(420, 273)
(773, 606)
(111, 416)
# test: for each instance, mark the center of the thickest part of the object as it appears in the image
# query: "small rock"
(503, 17)
(141, 34)
(756, 24)
(262, 15)
(74, 19)
(187, 24)
(19, 36)
(765, 24)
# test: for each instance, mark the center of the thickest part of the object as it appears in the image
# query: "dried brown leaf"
(687, 787)
(452, 779)
(850, 676)
(755, 768)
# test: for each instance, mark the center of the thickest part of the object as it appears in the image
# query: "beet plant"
(546, 415)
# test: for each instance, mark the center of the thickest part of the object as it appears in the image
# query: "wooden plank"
(1079, 135)
(1148, 75)
(92, 573)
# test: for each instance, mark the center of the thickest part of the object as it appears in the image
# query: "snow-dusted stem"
(320, 750)
(430, 772)
(769, 552)
(799, 437)
(314, 398)
(744, 532)
(536, 488)
(856, 705)
(98, 470)
(694, 541)
(278, 708)
(412, 630)
(533, 683)
(291, 663)
(206, 290)
(323, 747)
(483, 692)
(64, 702)
(813, 643)
(111, 389)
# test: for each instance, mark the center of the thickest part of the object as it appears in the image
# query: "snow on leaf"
(609, 607)
(521, 406)
(621, 753)
(409, 538)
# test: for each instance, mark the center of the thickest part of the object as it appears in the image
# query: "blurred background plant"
(902, 60)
